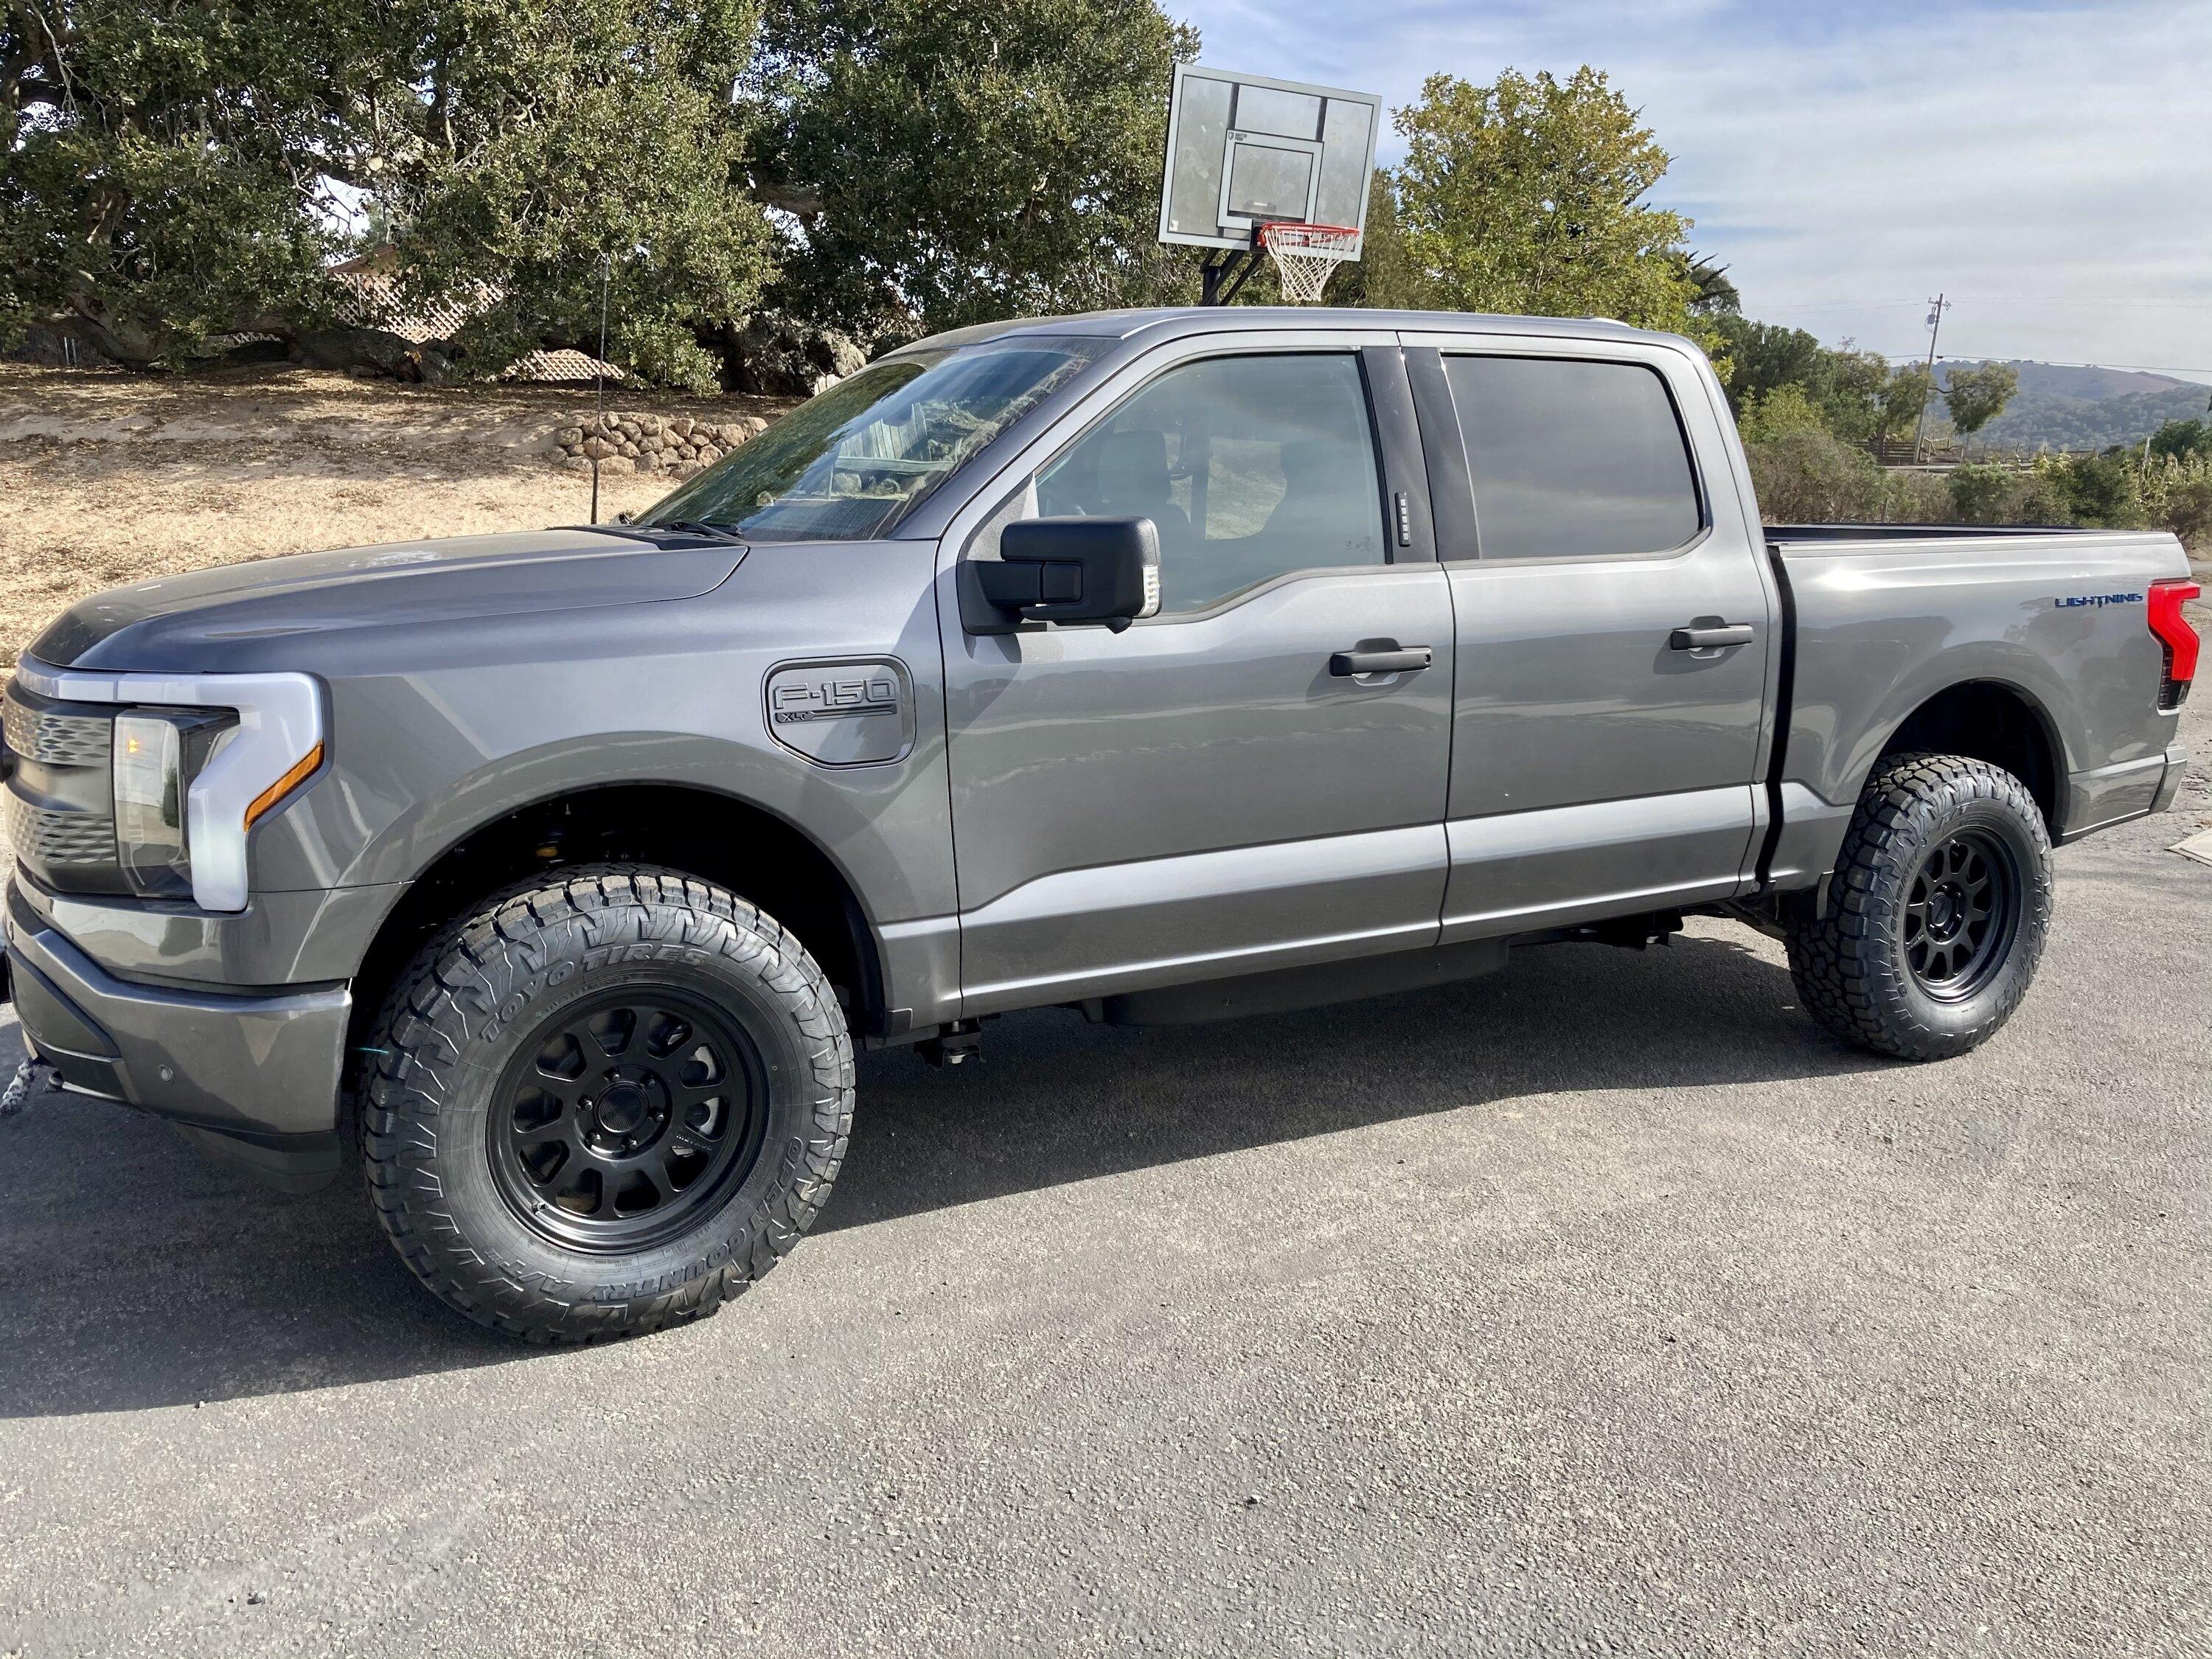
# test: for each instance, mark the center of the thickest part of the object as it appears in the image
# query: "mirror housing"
(1102, 572)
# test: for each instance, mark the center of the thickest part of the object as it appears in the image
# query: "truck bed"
(2039, 636)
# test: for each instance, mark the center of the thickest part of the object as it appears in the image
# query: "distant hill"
(2060, 407)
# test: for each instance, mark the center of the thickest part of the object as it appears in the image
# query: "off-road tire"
(1851, 965)
(459, 1013)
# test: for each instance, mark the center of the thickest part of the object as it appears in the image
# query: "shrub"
(2176, 495)
(1914, 498)
(1811, 477)
(2002, 495)
(1783, 411)
(2102, 490)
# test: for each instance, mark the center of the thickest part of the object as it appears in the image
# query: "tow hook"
(33, 1077)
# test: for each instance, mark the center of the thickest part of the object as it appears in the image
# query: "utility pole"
(1936, 308)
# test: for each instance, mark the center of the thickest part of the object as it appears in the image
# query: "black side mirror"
(1101, 571)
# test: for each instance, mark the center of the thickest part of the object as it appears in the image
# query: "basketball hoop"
(1306, 256)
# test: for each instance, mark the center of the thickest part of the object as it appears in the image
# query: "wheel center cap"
(622, 1109)
(1942, 910)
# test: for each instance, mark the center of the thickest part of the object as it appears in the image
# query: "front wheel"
(1936, 914)
(605, 1104)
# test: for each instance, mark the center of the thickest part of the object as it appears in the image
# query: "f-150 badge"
(854, 712)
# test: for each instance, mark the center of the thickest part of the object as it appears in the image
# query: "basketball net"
(1306, 256)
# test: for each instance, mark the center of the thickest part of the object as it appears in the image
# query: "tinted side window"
(1572, 460)
(1250, 467)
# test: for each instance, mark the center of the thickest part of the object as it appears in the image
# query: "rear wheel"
(1936, 914)
(605, 1104)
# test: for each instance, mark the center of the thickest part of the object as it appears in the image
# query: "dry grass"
(106, 478)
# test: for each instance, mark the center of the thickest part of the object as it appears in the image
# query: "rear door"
(1614, 627)
(1200, 795)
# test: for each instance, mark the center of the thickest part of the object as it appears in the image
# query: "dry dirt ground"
(106, 478)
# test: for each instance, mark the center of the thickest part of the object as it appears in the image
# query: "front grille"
(57, 738)
(58, 811)
(48, 839)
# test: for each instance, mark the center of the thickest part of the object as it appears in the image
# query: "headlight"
(157, 758)
(198, 760)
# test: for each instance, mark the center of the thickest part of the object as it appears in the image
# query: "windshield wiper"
(712, 533)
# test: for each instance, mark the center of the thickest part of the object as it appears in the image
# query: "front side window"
(1572, 460)
(853, 461)
(1249, 467)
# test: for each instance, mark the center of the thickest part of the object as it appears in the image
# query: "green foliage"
(2098, 489)
(1977, 394)
(181, 167)
(556, 136)
(157, 185)
(1384, 277)
(1845, 385)
(2177, 438)
(959, 161)
(1903, 395)
(1809, 476)
(1527, 196)
(1804, 475)
(1778, 413)
(2005, 494)
(1715, 296)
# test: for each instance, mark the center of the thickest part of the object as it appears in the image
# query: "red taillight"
(2174, 632)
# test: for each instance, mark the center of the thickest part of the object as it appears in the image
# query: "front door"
(1200, 795)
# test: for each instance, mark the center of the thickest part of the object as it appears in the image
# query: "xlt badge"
(848, 712)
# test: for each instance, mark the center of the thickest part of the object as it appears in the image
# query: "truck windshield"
(853, 461)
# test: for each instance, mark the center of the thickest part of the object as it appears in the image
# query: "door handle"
(1709, 638)
(1410, 660)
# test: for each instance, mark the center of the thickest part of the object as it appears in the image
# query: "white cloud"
(2047, 168)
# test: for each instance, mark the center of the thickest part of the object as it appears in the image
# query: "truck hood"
(227, 618)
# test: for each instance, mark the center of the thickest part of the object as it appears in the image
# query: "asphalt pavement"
(1603, 1305)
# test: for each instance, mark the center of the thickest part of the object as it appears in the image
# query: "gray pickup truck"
(1166, 665)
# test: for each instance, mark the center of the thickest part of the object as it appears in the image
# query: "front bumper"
(254, 1077)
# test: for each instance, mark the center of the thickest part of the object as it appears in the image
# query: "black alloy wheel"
(1961, 914)
(625, 1116)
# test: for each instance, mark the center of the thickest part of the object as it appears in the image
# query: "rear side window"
(1572, 460)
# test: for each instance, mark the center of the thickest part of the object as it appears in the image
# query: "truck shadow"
(1059, 1100)
(137, 1274)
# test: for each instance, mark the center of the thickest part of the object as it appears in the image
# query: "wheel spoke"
(684, 1140)
(665, 1032)
(614, 1031)
(689, 1095)
(560, 1127)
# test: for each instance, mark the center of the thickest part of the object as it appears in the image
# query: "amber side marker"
(302, 771)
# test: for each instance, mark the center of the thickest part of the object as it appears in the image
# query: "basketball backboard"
(1245, 151)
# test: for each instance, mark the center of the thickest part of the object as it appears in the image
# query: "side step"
(1285, 990)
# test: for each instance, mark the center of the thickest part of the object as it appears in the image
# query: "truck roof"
(1171, 321)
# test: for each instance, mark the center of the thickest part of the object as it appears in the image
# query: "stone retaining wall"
(675, 444)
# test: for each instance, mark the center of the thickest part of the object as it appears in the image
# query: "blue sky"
(2049, 167)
